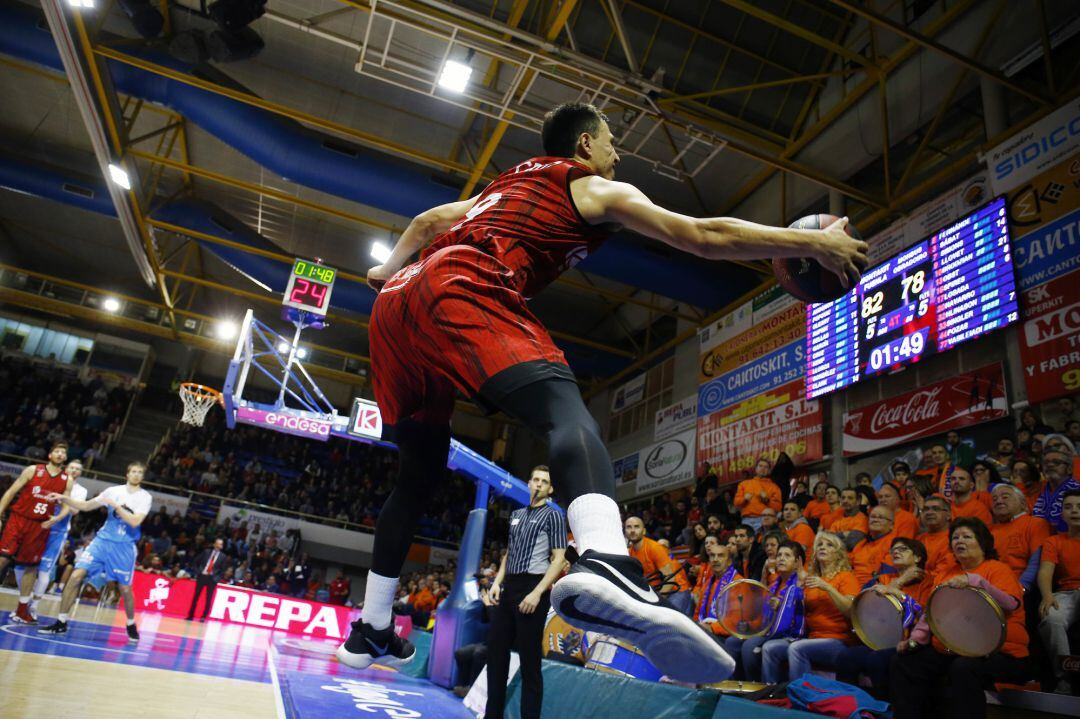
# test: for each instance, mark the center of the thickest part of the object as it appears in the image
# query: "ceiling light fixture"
(226, 329)
(111, 304)
(119, 175)
(455, 76)
(380, 252)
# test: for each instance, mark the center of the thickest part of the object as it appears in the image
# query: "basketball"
(805, 278)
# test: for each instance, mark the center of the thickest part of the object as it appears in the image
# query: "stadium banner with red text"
(238, 605)
(970, 398)
(778, 420)
(1050, 338)
(674, 418)
(764, 336)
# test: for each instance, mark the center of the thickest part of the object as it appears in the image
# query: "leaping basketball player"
(457, 321)
(35, 494)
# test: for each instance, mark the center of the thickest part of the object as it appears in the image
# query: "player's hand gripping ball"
(811, 281)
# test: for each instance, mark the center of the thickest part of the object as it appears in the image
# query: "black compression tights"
(551, 408)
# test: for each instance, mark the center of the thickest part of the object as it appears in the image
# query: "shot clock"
(309, 288)
(953, 286)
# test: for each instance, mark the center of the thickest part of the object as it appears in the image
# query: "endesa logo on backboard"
(294, 422)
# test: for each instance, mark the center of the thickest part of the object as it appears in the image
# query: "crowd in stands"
(1004, 518)
(42, 403)
(334, 480)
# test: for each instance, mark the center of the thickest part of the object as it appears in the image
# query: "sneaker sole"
(15, 619)
(363, 661)
(669, 639)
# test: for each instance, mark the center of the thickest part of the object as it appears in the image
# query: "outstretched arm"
(421, 231)
(717, 238)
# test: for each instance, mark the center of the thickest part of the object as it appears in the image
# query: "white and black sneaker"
(133, 634)
(366, 646)
(56, 627)
(607, 593)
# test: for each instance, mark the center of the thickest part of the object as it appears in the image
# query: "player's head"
(579, 130)
(73, 469)
(135, 472)
(58, 453)
(540, 484)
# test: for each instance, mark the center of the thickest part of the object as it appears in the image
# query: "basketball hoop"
(198, 400)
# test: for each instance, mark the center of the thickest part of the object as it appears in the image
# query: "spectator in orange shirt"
(851, 526)
(1025, 475)
(770, 545)
(667, 577)
(869, 554)
(423, 603)
(703, 569)
(755, 494)
(935, 518)
(923, 662)
(1018, 537)
(888, 495)
(795, 525)
(818, 507)
(965, 502)
(985, 475)
(1003, 457)
(1060, 570)
(832, 496)
(939, 469)
(829, 590)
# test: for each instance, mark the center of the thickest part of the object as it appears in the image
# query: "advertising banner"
(731, 440)
(264, 521)
(295, 422)
(675, 418)
(1048, 252)
(1033, 150)
(766, 335)
(961, 401)
(625, 468)
(1050, 338)
(628, 394)
(786, 364)
(237, 605)
(666, 464)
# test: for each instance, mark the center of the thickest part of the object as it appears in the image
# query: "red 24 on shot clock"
(309, 288)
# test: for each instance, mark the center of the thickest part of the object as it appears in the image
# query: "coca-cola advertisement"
(967, 399)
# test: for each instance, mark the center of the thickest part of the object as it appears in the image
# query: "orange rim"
(201, 390)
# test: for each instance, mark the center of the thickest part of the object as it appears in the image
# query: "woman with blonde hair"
(828, 592)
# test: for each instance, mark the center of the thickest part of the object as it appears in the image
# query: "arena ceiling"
(758, 109)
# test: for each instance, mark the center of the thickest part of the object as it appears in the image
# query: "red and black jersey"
(30, 502)
(527, 220)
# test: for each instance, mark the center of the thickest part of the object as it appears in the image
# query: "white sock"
(62, 618)
(24, 600)
(594, 520)
(131, 622)
(379, 600)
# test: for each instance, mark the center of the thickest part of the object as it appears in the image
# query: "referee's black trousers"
(512, 630)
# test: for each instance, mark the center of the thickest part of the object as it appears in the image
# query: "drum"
(878, 619)
(608, 654)
(740, 608)
(564, 641)
(967, 620)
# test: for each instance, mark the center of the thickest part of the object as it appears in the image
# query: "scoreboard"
(955, 285)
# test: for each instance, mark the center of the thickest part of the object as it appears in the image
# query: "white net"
(197, 401)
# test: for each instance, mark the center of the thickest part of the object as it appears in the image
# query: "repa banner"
(158, 593)
(1033, 150)
(967, 399)
(666, 464)
(675, 418)
(779, 367)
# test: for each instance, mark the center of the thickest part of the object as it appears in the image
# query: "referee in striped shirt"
(521, 594)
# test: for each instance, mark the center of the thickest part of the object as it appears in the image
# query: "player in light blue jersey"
(59, 526)
(111, 556)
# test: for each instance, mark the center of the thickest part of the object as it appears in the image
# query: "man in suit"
(210, 567)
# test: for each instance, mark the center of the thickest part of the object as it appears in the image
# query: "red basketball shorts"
(23, 540)
(449, 324)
